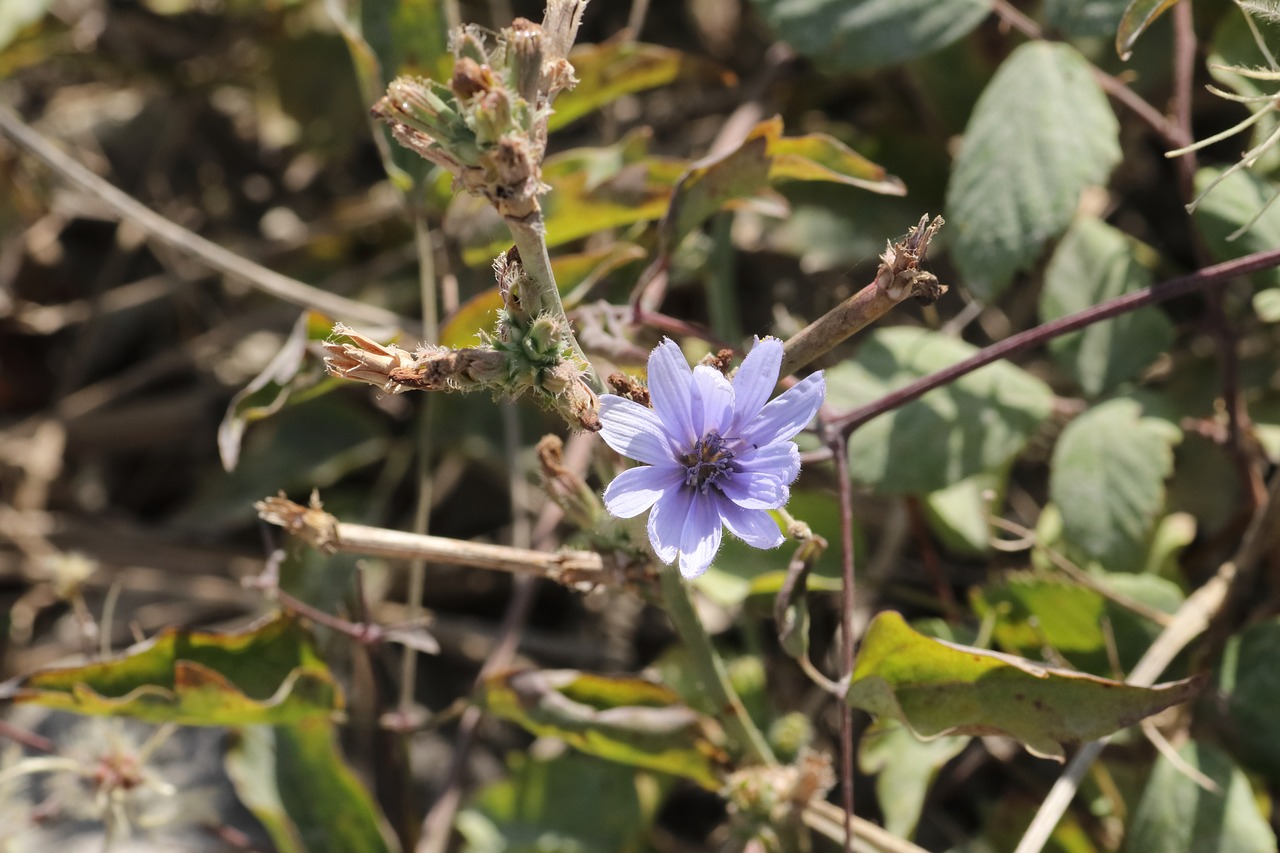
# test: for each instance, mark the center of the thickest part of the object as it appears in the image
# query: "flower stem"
(544, 297)
(709, 668)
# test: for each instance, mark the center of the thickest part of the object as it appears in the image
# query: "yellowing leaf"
(269, 673)
(938, 688)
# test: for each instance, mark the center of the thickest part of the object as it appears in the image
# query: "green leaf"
(1040, 134)
(1034, 612)
(1094, 263)
(975, 424)
(1266, 304)
(626, 720)
(608, 71)
(1250, 680)
(907, 767)
(958, 513)
(1135, 20)
(295, 781)
(1084, 18)
(526, 813)
(16, 15)
(1230, 206)
(868, 34)
(269, 673)
(938, 688)
(1175, 813)
(1107, 479)
(578, 272)
(271, 389)
(1233, 47)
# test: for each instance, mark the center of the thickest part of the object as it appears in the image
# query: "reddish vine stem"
(1207, 277)
(838, 442)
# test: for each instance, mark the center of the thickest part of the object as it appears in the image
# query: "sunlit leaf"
(15, 15)
(975, 424)
(620, 719)
(620, 67)
(1041, 132)
(271, 389)
(937, 688)
(1094, 263)
(1176, 813)
(269, 673)
(848, 36)
(1249, 680)
(526, 812)
(295, 781)
(1136, 18)
(1107, 479)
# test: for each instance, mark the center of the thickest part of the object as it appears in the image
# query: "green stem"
(544, 296)
(709, 669)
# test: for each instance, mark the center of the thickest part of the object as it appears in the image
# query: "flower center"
(708, 462)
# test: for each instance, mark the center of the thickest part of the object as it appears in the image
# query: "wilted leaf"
(1232, 204)
(1094, 263)
(271, 389)
(937, 688)
(1107, 479)
(907, 767)
(526, 813)
(1140, 15)
(620, 719)
(1250, 680)
(269, 673)
(973, 425)
(573, 272)
(620, 67)
(1041, 132)
(1175, 813)
(295, 781)
(871, 33)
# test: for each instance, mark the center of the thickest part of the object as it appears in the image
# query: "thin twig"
(188, 242)
(1207, 277)
(838, 442)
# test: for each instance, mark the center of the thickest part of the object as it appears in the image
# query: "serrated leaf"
(627, 720)
(938, 688)
(526, 812)
(573, 272)
(1134, 22)
(975, 424)
(871, 33)
(1107, 479)
(1084, 18)
(1250, 681)
(295, 781)
(1175, 813)
(269, 673)
(608, 71)
(1041, 133)
(1094, 263)
(1231, 205)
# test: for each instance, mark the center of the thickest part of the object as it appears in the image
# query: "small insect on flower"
(715, 453)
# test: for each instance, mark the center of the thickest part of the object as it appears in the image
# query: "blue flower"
(715, 453)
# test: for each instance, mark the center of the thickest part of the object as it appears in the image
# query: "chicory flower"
(715, 453)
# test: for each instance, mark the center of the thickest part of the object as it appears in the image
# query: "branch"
(188, 242)
(1200, 280)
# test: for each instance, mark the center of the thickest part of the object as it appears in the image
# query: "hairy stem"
(710, 669)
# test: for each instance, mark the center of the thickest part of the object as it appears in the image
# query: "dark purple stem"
(1207, 277)
(838, 442)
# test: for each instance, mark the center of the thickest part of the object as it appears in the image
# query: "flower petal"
(634, 431)
(636, 489)
(666, 523)
(712, 401)
(751, 490)
(753, 526)
(780, 459)
(755, 379)
(787, 414)
(671, 390)
(700, 539)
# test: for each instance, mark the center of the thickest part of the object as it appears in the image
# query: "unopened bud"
(570, 492)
